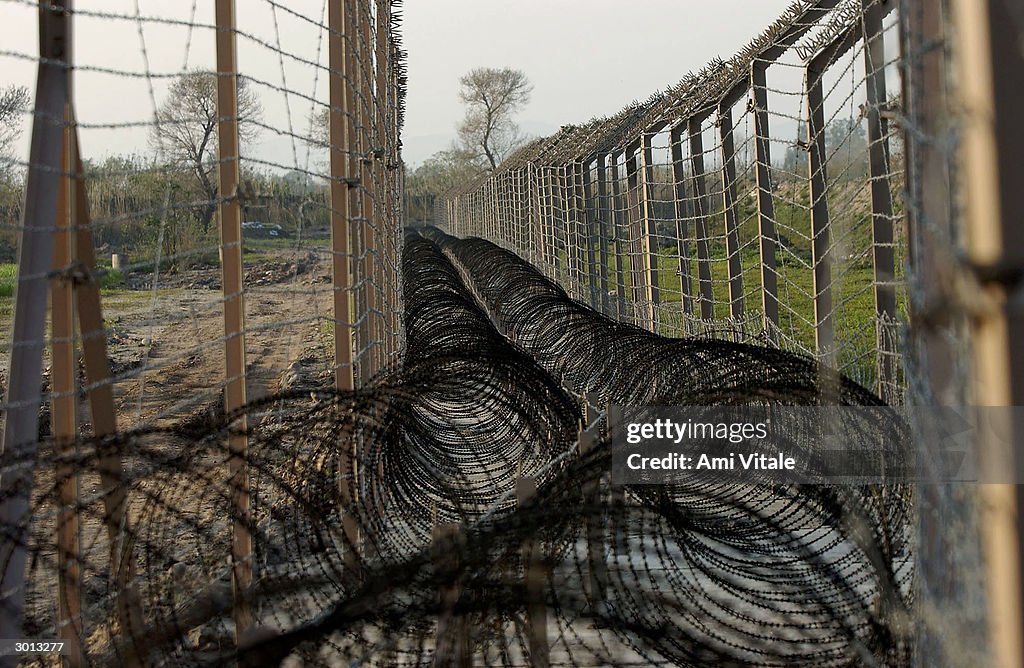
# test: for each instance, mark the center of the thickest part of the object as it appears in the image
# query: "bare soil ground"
(166, 346)
(169, 344)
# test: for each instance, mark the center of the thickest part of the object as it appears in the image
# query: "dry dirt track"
(169, 345)
(167, 351)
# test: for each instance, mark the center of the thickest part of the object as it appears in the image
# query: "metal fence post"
(570, 226)
(511, 181)
(549, 221)
(234, 309)
(706, 296)
(618, 205)
(882, 246)
(732, 236)
(480, 213)
(523, 203)
(387, 132)
(581, 232)
(990, 60)
(537, 254)
(35, 254)
(341, 175)
(649, 227)
(487, 205)
(511, 209)
(587, 226)
(634, 221)
(603, 227)
(487, 209)
(765, 201)
(341, 149)
(494, 208)
(508, 209)
(371, 194)
(379, 39)
(821, 258)
(682, 215)
(561, 230)
(357, 210)
(598, 275)
(64, 402)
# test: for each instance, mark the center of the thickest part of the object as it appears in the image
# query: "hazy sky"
(585, 58)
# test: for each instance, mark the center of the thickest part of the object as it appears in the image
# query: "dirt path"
(169, 348)
(167, 353)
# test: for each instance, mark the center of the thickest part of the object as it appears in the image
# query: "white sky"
(586, 58)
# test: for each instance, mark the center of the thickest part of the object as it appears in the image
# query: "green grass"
(852, 277)
(8, 277)
(111, 282)
(326, 331)
(110, 279)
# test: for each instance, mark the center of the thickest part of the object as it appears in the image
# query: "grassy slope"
(853, 283)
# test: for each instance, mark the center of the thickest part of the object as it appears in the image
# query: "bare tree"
(14, 101)
(186, 132)
(492, 97)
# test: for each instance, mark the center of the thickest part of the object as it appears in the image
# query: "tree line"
(164, 201)
(168, 196)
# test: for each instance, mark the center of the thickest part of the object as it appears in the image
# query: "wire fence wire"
(222, 196)
(409, 462)
(487, 529)
(808, 193)
(757, 199)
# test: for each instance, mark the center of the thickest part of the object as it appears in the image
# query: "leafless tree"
(186, 132)
(492, 98)
(14, 101)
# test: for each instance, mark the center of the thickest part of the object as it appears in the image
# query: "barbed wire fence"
(453, 508)
(807, 193)
(695, 211)
(213, 216)
(441, 495)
